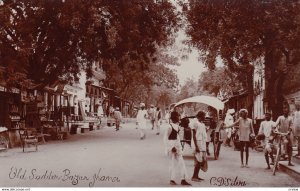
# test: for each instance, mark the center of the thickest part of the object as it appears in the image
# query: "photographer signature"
(225, 181)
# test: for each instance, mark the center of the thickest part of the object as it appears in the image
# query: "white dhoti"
(142, 126)
(176, 160)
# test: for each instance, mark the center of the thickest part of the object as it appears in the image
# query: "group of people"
(285, 125)
(174, 148)
(153, 114)
(268, 133)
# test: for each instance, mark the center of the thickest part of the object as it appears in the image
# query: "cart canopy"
(208, 100)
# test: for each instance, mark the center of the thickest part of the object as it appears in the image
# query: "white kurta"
(141, 118)
(201, 135)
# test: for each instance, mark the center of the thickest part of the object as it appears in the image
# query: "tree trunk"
(274, 81)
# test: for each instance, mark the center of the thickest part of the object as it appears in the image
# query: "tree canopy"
(51, 40)
(219, 82)
(241, 32)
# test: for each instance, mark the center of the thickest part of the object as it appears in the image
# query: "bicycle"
(278, 151)
(3, 140)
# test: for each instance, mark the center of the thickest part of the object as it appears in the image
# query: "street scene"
(134, 162)
(149, 93)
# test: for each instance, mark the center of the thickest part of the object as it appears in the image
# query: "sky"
(190, 67)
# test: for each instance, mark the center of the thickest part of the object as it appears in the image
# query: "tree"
(161, 96)
(219, 82)
(188, 89)
(51, 40)
(130, 80)
(241, 32)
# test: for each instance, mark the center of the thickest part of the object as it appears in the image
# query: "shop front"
(11, 114)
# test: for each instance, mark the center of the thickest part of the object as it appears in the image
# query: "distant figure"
(157, 121)
(118, 117)
(141, 120)
(208, 122)
(167, 115)
(151, 114)
(220, 136)
(229, 121)
(173, 149)
(111, 111)
(100, 112)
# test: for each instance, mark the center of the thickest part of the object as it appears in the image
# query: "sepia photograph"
(149, 94)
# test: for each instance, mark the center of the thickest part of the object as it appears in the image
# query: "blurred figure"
(157, 121)
(141, 120)
(229, 121)
(220, 136)
(151, 114)
(118, 117)
(167, 115)
(209, 130)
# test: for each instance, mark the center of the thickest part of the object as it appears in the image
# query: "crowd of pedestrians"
(227, 130)
(153, 114)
